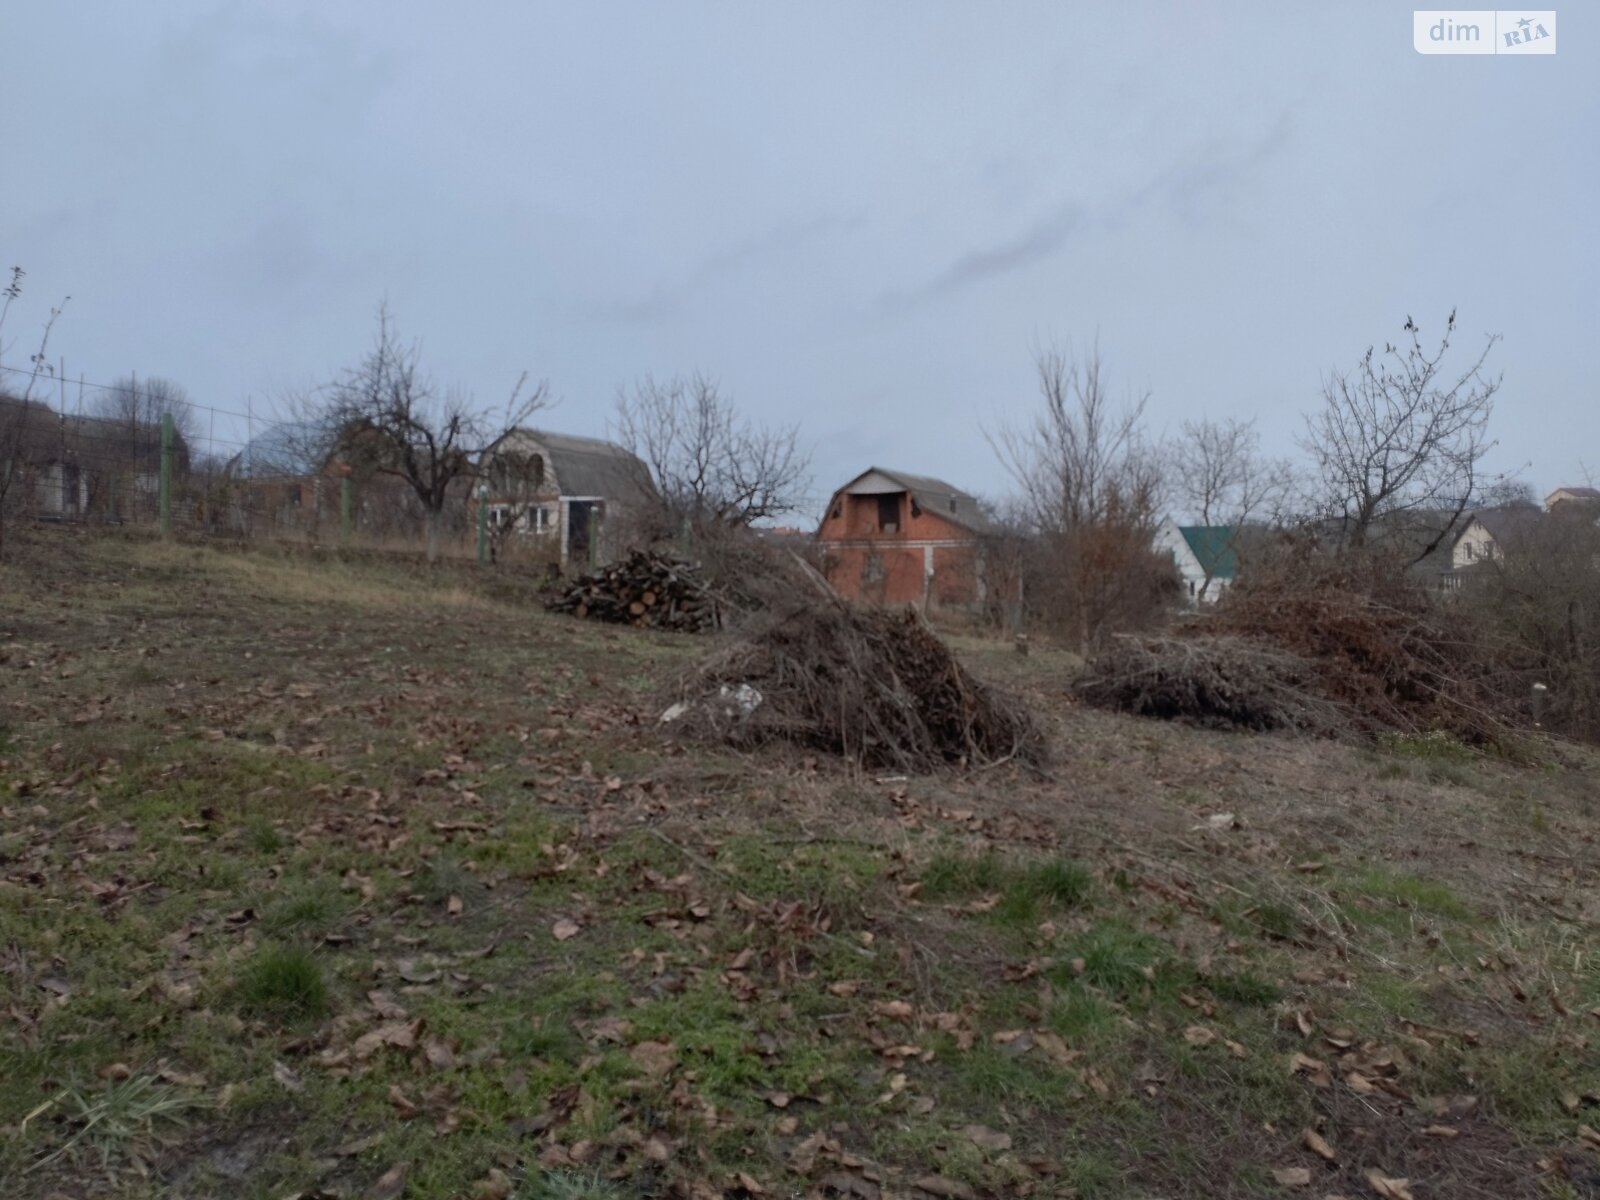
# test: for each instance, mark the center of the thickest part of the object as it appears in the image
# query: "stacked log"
(642, 589)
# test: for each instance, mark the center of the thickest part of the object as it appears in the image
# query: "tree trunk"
(435, 522)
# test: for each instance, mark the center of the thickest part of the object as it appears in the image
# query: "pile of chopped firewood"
(642, 589)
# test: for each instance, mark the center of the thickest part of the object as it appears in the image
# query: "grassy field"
(328, 879)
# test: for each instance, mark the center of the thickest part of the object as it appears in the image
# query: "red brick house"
(893, 538)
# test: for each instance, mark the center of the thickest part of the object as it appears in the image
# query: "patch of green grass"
(1434, 746)
(120, 1118)
(986, 1075)
(573, 1185)
(1081, 1017)
(954, 875)
(307, 910)
(1412, 891)
(1116, 957)
(835, 878)
(1057, 883)
(1245, 987)
(284, 983)
(1025, 890)
(262, 836)
(541, 1037)
(1275, 920)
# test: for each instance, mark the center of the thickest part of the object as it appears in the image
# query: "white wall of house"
(1196, 590)
(1475, 544)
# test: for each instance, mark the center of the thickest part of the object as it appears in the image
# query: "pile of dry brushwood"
(642, 589)
(1322, 643)
(1217, 682)
(877, 687)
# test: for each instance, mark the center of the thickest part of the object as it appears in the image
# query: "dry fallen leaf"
(1315, 1143)
(985, 1138)
(949, 1189)
(1442, 1131)
(1199, 1035)
(390, 1185)
(565, 929)
(654, 1058)
(496, 1186)
(1387, 1187)
(1312, 1069)
(454, 906)
(1293, 1176)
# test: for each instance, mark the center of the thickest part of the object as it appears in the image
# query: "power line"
(49, 373)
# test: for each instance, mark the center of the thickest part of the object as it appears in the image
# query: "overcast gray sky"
(864, 216)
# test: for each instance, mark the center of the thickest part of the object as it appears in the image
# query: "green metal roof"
(1213, 546)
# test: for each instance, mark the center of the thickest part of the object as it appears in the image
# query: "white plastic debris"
(739, 701)
(674, 712)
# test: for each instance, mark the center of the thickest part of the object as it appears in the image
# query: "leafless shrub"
(1541, 593)
(1091, 494)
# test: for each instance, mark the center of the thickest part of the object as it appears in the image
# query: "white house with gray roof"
(562, 489)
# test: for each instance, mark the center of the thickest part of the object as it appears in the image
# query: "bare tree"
(1509, 493)
(1221, 478)
(1091, 488)
(1401, 436)
(707, 464)
(140, 404)
(20, 418)
(388, 416)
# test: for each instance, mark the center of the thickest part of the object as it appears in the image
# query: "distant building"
(1489, 533)
(563, 490)
(70, 467)
(1206, 556)
(1571, 495)
(890, 537)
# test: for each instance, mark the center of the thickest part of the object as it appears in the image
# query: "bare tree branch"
(706, 463)
(1400, 435)
(386, 415)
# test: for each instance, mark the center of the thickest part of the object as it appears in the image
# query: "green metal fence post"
(344, 509)
(166, 474)
(483, 523)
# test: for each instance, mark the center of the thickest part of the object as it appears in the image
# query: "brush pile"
(1307, 637)
(876, 687)
(643, 589)
(1215, 682)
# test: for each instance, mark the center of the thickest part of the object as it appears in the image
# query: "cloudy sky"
(864, 217)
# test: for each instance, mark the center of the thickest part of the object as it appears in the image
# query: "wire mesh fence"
(67, 455)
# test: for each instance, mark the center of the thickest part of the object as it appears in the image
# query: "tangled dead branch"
(1318, 643)
(1218, 682)
(879, 688)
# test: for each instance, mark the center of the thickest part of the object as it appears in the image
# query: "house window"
(889, 513)
(1470, 551)
(538, 519)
